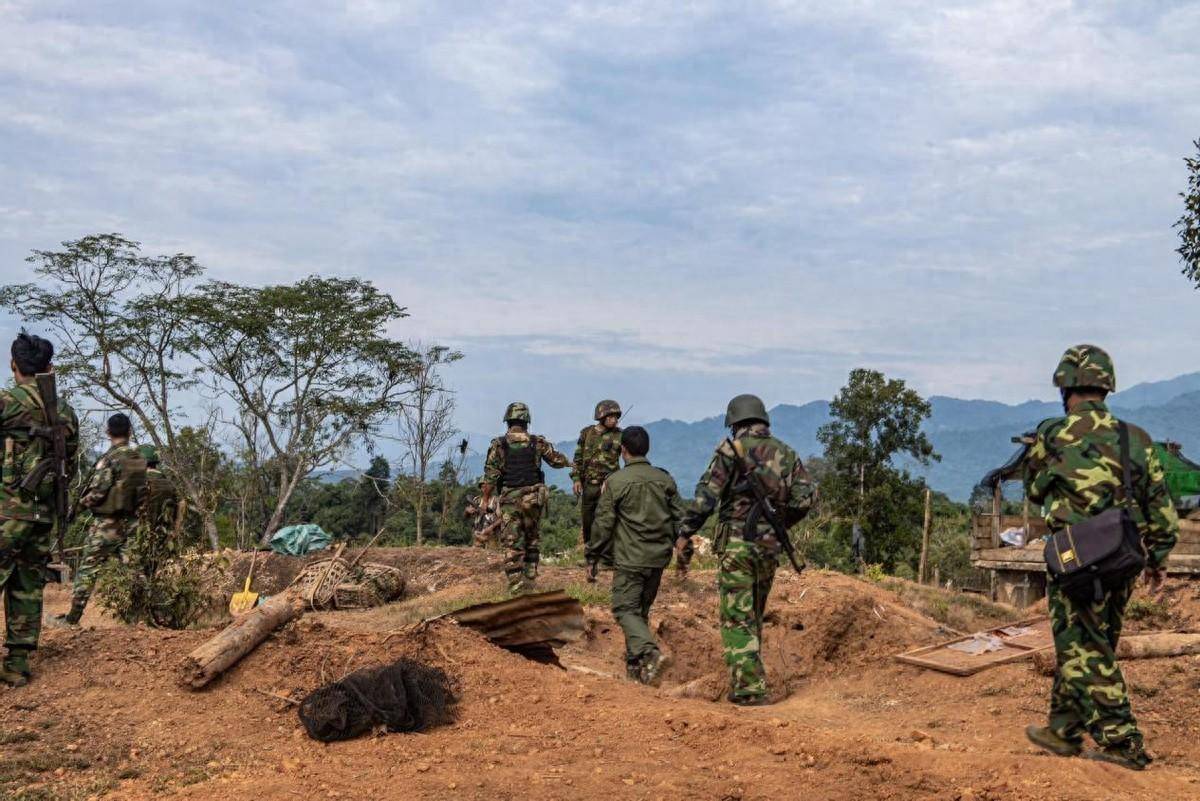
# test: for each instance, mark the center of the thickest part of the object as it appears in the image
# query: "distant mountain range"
(972, 436)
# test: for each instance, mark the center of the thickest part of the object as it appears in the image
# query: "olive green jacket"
(638, 516)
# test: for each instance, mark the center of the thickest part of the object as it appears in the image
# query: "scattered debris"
(968, 654)
(532, 625)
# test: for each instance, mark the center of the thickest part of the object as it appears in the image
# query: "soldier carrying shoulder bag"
(1103, 552)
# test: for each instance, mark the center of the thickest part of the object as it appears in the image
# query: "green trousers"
(520, 534)
(24, 553)
(1090, 694)
(588, 501)
(633, 592)
(745, 574)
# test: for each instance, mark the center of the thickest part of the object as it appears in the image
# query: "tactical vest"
(130, 469)
(522, 466)
(158, 497)
(23, 450)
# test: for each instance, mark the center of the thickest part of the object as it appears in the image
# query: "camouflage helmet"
(517, 412)
(745, 407)
(149, 453)
(1086, 367)
(606, 407)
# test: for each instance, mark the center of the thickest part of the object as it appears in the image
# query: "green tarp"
(300, 539)
(1183, 475)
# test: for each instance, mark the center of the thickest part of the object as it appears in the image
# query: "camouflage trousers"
(745, 574)
(519, 535)
(24, 553)
(633, 592)
(105, 538)
(1089, 691)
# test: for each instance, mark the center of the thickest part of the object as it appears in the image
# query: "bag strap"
(1126, 470)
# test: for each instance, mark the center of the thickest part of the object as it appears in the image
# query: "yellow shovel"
(245, 600)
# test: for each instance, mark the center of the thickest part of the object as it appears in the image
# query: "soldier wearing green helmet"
(745, 544)
(158, 506)
(597, 456)
(1075, 472)
(513, 473)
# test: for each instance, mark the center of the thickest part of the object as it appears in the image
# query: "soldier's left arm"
(709, 492)
(1161, 531)
(551, 456)
(604, 525)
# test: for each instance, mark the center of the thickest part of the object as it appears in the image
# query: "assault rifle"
(55, 464)
(764, 508)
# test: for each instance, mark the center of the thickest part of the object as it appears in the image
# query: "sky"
(668, 203)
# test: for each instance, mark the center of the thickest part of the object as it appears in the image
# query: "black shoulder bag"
(1103, 552)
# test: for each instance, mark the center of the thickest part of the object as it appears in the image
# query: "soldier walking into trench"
(1076, 471)
(745, 542)
(597, 456)
(513, 472)
(637, 524)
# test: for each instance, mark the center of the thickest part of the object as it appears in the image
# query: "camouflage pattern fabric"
(25, 548)
(159, 504)
(520, 507)
(746, 570)
(105, 538)
(1089, 693)
(116, 481)
(20, 408)
(597, 456)
(1074, 471)
(1086, 366)
(633, 592)
(745, 574)
(519, 533)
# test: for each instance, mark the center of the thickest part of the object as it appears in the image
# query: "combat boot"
(70, 618)
(1045, 738)
(750, 700)
(1132, 757)
(653, 668)
(15, 671)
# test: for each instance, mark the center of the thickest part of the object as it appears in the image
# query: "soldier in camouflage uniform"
(597, 456)
(747, 558)
(513, 473)
(1074, 471)
(158, 504)
(112, 495)
(26, 519)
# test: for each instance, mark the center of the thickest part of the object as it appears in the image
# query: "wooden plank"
(943, 658)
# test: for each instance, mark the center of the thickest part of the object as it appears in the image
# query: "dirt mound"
(105, 718)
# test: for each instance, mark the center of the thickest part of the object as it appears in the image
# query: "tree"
(426, 425)
(1189, 223)
(120, 328)
(876, 420)
(308, 366)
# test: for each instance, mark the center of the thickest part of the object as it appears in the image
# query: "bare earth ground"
(105, 717)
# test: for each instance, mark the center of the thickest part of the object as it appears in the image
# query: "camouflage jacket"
(722, 487)
(597, 454)
(21, 408)
(1074, 471)
(121, 471)
(493, 467)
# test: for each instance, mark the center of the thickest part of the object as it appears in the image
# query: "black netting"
(404, 696)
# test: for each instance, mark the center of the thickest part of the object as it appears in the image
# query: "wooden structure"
(1013, 642)
(1018, 575)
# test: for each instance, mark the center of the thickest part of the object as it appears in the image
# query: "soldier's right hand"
(1154, 578)
(593, 570)
(577, 488)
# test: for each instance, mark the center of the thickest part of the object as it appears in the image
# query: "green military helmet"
(517, 412)
(149, 453)
(1086, 367)
(606, 407)
(745, 407)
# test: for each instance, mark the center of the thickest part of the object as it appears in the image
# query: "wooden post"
(923, 570)
(997, 503)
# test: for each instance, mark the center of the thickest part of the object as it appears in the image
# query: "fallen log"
(239, 638)
(1136, 646)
